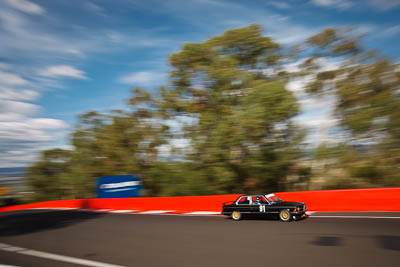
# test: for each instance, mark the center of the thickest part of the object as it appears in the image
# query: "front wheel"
(236, 215)
(285, 216)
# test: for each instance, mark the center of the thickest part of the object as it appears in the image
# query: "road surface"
(79, 238)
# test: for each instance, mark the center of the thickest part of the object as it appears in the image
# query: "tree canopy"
(229, 105)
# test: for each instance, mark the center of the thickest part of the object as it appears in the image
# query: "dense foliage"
(228, 103)
(366, 86)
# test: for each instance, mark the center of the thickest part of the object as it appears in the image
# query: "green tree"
(238, 123)
(241, 134)
(228, 97)
(122, 142)
(48, 175)
(368, 105)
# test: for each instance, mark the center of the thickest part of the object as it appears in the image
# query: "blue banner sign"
(118, 186)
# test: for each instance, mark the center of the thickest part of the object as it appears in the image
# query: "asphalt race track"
(104, 239)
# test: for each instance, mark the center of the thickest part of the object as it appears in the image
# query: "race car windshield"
(273, 198)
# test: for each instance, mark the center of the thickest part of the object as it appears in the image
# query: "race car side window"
(273, 198)
(258, 200)
(243, 201)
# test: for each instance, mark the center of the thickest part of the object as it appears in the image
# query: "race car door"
(243, 204)
(259, 205)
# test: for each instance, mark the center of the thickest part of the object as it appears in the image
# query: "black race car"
(259, 204)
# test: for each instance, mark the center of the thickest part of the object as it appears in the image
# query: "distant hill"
(12, 172)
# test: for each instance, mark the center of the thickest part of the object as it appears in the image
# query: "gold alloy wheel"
(285, 215)
(236, 215)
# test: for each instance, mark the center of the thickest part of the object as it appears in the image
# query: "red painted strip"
(376, 199)
(71, 203)
(386, 199)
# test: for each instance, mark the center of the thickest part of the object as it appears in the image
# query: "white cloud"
(298, 85)
(173, 146)
(219, 3)
(122, 39)
(366, 29)
(12, 159)
(7, 78)
(73, 51)
(5, 66)
(23, 133)
(324, 64)
(317, 112)
(390, 32)
(320, 122)
(95, 8)
(227, 15)
(22, 136)
(26, 6)
(116, 37)
(341, 4)
(381, 5)
(63, 71)
(17, 107)
(280, 4)
(142, 78)
(278, 27)
(384, 5)
(46, 124)
(17, 94)
(290, 34)
(23, 36)
(317, 115)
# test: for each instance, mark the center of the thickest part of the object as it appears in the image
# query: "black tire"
(237, 216)
(285, 216)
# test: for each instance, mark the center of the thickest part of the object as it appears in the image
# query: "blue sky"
(61, 58)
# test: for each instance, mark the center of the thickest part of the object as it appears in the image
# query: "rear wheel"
(236, 215)
(285, 216)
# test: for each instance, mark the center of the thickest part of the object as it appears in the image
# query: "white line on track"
(56, 257)
(156, 211)
(312, 214)
(203, 213)
(122, 211)
(3, 245)
(12, 248)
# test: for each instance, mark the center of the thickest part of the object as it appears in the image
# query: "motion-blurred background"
(198, 97)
